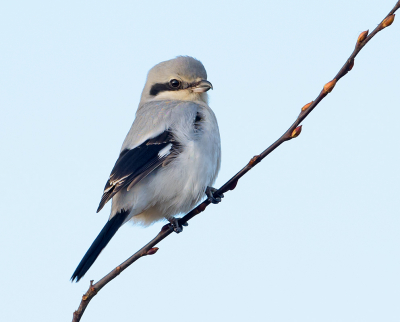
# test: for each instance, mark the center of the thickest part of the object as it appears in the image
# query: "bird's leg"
(174, 222)
(212, 196)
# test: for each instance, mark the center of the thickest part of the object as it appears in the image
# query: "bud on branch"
(296, 132)
(306, 106)
(329, 86)
(152, 251)
(351, 65)
(388, 21)
(362, 37)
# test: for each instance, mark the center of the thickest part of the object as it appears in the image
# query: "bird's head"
(182, 78)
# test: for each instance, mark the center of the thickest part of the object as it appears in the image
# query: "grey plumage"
(170, 155)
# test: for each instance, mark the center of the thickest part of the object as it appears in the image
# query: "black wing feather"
(133, 165)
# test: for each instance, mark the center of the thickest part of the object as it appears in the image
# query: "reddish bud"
(296, 132)
(329, 86)
(202, 207)
(254, 160)
(233, 185)
(362, 36)
(388, 21)
(351, 64)
(306, 106)
(152, 251)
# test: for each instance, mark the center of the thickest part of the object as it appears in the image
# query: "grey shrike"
(170, 157)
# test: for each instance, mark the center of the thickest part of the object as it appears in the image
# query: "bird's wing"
(135, 164)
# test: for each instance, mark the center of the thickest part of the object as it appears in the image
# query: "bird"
(170, 157)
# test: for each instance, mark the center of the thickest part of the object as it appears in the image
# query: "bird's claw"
(174, 224)
(212, 196)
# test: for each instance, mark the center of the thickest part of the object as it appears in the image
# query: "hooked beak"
(202, 86)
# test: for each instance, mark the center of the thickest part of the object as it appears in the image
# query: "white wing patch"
(165, 151)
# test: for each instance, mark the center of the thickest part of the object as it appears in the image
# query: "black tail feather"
(99, 243)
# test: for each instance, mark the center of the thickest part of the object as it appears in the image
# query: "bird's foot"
(213, 197)
(174, 224)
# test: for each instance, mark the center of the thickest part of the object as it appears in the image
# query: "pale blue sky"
(310, 234)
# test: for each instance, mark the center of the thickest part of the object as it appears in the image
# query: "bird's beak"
(202, 86)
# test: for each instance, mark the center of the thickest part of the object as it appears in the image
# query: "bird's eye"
(175, 83)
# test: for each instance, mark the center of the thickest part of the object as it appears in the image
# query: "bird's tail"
(99, 243)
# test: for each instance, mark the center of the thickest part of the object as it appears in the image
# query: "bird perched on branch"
(170, 157)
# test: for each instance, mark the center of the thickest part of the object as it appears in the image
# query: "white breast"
(179, 186)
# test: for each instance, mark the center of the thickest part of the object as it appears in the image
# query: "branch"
(293, 131)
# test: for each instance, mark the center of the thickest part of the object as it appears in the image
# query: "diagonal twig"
(293, 131)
